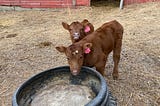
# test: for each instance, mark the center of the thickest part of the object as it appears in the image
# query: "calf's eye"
(81, 57)
(68, 58)
(82, 30)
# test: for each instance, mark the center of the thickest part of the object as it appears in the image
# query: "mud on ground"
(28, 40)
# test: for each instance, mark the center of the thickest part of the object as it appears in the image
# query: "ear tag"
(87, 29)
(87, 50)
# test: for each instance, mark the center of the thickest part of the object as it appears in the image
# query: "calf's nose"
(76, 35)
(75, 72)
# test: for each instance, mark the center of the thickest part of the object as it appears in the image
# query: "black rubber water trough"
(57, 87)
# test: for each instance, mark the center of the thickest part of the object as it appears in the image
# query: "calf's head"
(75, 55)
(78, 30)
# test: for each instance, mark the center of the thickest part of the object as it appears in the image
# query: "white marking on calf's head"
(75, 52)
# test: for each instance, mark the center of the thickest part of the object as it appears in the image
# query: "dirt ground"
(28, 40)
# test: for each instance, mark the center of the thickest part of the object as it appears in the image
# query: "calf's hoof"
(115, 76)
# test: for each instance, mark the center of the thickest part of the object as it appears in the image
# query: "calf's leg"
(116, 58)
(100, 66)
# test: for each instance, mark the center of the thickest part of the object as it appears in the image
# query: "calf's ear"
(87, 45)
(87, 48)
(85, 21)
(88, 27)
(65, 25)
(61, 49)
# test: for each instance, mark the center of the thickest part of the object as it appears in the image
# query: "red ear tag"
(87, 29)
(87, 50)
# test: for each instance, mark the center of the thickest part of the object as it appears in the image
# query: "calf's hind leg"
(116, 58)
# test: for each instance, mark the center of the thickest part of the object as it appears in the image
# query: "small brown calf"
(94, 49)
(78, 30)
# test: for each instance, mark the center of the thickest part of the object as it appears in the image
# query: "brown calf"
(78, 30)
(94, 49)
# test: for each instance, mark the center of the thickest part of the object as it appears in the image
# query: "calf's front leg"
(100, 66)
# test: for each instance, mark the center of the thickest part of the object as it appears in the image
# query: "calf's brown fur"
(101, 42)
(78, 30)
